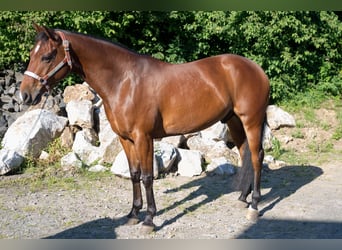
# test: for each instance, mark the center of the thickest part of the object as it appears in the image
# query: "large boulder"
(212, 149)
(278, 118)
(110, 144)
(78, 92)
(221, 166)
(84, 149)
(33, 131)
(217, 132)
(80, 113)
(190, 163)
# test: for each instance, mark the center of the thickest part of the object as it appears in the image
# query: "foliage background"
(299, 51)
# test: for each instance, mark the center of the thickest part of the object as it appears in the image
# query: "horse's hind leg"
(238, 134)
(254, 137)
(247, 137)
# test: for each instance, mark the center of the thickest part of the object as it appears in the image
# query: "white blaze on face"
(36, 49)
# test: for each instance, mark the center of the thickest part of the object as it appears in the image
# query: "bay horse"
(145, 98)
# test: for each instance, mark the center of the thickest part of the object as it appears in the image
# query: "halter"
(67, 60)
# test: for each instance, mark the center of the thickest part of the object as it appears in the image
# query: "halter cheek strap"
(67, 60)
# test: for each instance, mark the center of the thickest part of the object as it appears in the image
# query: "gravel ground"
(298, 202)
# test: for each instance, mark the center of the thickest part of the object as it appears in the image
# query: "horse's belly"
(183, 120)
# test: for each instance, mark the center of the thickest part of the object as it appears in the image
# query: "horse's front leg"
(134, 168)
(144, 149)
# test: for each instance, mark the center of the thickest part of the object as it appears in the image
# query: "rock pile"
(80, 121)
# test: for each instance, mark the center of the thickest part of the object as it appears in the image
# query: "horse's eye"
(48, 57)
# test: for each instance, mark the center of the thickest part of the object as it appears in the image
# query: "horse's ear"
(49, 32)
(37, 27)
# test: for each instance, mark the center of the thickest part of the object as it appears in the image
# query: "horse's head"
(49, 62)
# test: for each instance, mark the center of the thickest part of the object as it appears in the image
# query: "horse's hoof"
(146, 229)
(132, 221)
(252, 214)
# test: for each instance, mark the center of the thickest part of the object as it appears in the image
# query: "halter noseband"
(67, 60)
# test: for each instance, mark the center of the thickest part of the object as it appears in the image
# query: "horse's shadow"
(103, 228)
(282, 183)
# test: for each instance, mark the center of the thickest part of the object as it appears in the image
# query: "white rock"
(120, 166)
(267, 138)
(177, 140)
(33, 131)
(110, 144)
(278, 118)
(70, 160)
(217, 132)
(83, 148)
(44, 155)
(9, 160)
(269, 159)
(212, 149)
(190, 162)
(97, 168)
(80, 113)
(221, 166)
(166, 155)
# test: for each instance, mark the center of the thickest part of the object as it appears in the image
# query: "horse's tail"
(245, 175)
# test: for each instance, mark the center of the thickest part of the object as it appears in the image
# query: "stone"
(278, 118)
(120, 166)
(97, 168)
(67, 137)
(80, 113)
(48, 102)
(70, 161)
(44, 156)
(190, 163)
(267, 138)
(166, 155)
(9, 160)
(78, 92)
(212, 149)
(217, 132)
(221, 166)
(177, 141)
(83, 148)
(33, 131)
(110, 144)
(269, 159)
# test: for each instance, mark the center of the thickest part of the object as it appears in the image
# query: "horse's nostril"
(26, 98)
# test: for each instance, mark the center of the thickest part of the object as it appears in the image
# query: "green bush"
(298, 50)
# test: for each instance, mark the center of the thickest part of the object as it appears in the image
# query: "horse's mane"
(105, 40)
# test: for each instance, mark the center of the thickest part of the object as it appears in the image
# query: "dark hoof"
(132, 221)
(252, 214)
(147, 229)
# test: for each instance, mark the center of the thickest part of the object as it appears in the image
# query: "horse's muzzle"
(30, 99)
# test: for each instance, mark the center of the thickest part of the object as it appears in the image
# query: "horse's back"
(197, 94)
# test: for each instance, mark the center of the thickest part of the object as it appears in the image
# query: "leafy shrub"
(298, 50)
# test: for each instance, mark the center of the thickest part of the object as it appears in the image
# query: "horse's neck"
(100, 62)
